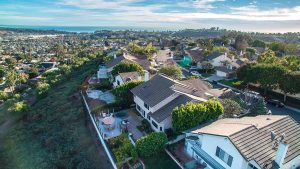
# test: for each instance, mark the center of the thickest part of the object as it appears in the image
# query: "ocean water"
(85, 29)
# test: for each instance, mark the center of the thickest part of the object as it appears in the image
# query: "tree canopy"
(123, 93)
(151, 144)
(172, 71)
(125, 66)
(193, 114)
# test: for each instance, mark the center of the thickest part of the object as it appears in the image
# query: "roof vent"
(268, 118)
(282, 137)
(273, 135)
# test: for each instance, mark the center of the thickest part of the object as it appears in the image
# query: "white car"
(195, 73)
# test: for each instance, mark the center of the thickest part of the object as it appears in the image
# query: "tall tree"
(268, 75)
(172, 71)
(268, 57)
(125, 66)
(290, 84)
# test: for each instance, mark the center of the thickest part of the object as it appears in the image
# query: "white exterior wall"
(167, 123)
(209, 145)
(140, 102)
(221, 74)
(217, 61)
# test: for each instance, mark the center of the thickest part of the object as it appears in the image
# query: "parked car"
(276, 103)
(195, 73)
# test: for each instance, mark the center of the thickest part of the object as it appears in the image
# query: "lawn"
(160, 161)
(54, 134)
(231, 83)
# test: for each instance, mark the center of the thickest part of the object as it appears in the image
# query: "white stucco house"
(217, 58)
(261, 142)
(122, 78)
(156, 98)
(105, 70)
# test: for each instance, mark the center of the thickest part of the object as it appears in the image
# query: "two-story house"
(156, 98)
(261, 142)
(105, 70)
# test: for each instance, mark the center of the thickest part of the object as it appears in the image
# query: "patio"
(178, 151)
(109, 126)
(125, 121)
(133, 121)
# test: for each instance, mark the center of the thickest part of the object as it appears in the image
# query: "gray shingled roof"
(166, 111)
(256, 144)
(115, 61)
(155, 90)
(214, 55)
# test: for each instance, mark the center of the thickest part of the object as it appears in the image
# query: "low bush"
(151, 144)
(19, 108)
(42, 89)
(122, 148)
(3, 95)
(145, 126)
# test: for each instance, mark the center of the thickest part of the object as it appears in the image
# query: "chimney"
(115, 55)
(146, 76)
(281, 153)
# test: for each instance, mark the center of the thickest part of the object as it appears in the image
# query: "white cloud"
(205, 3)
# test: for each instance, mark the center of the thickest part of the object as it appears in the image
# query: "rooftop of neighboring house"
(46, 65)
(252, 136)
(141, 60)
(197, 54)
(214, 55)
(128, 76)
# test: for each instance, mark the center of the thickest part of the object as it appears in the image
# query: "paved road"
(284, 111)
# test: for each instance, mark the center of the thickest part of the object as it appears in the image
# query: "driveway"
(214, 78)
(285, 111)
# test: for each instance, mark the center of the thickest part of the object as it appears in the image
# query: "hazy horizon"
(268, 16)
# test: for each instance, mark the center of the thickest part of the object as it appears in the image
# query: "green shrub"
(42, 89)
(123, 93)
(125, 66)
(18, 108)
(121, 147)
(134, 154)
(192, 114)
(151, 144)
(3, 95)
(145, 126)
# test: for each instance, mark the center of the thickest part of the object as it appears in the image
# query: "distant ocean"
(85, 29)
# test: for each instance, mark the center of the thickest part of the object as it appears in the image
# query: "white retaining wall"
(99, 135)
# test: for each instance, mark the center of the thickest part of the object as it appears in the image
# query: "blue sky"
(246, 15)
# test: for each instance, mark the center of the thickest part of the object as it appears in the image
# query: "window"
(160, 129)
(138, 107)
(154, 124)
(224, 156)
(251, 166)
(148, 115)
(146, 106)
